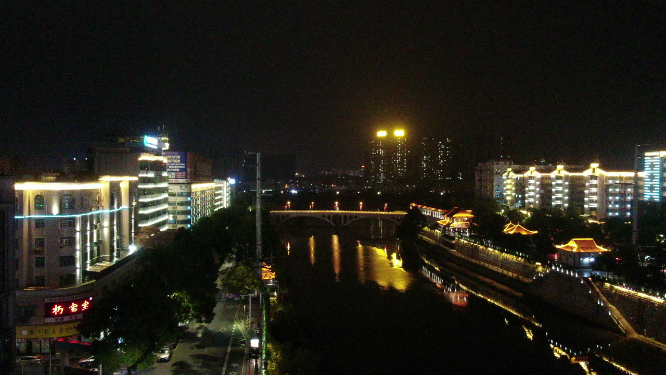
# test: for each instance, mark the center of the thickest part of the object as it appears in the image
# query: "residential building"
(489, 178)
(593, 192)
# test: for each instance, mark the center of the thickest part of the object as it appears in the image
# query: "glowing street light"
(288, 205)
(385, 206)
(360, 206)
(337, 206)
(311, 206)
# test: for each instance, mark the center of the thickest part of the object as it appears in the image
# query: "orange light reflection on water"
(336, 256)
(311, 247)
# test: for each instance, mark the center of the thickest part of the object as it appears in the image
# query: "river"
(367, 311)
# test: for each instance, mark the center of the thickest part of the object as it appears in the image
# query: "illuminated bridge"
(334, 217)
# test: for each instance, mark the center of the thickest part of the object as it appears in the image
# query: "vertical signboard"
(176, 165)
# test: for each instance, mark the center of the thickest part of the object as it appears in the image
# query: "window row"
(62, 223)
(65, 280)
(65, 261)
(40, 243)
(68, 202)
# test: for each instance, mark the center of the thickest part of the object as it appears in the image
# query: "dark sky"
(564, 79)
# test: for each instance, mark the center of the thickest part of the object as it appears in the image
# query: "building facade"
(66, 229)
(7, 278)
(654, 167)
(489, 181)
(593, 192)
(388, 156)
(431, 159)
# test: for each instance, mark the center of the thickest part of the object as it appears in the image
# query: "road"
(215, 348)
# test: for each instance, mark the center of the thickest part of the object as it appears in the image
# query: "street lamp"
(337, 206)
(360, 206)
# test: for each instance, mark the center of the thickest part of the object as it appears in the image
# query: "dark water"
(366, 313)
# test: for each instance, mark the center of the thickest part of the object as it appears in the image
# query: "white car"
(29, 359)
(164, 355)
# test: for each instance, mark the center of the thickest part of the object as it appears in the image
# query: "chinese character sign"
(67, 308)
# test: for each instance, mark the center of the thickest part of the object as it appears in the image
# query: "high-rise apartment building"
(431, 159)
(388, 156)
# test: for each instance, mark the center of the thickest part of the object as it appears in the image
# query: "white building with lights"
(65, 230)
(654, 166)
(594, 191)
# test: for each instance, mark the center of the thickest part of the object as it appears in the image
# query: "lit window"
(40, 203)
(68, 202)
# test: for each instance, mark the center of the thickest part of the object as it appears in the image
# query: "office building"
(192, 192)
(141, 157)
(654, 168)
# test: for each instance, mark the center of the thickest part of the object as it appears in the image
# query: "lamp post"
(259, 253)
(360, 206)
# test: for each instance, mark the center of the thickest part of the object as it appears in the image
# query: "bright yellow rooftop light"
(399, 133)
(381, 133)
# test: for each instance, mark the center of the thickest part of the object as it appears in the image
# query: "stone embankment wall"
(501, 262)
(573, 294)
(646, 314)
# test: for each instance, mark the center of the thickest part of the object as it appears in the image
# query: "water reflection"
(360, 261)
(348, 296)
(335, 245)
(311, 247)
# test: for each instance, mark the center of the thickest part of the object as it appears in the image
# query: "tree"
(242, 279)
(411, 224)
(489, 223)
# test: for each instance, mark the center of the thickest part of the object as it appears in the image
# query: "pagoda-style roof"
(582, 245)
(464, 214)
(512, 228)
(445, 221)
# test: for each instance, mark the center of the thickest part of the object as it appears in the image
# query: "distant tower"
(505, 149)
(431, 158)
(388, 156)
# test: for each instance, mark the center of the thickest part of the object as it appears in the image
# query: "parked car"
(164, 355)
(29, 359)
(88, 362)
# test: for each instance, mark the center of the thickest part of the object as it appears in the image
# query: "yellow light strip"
(57, 186)
(205, 185)
(118, 178)
(656, 299)
(152, 157)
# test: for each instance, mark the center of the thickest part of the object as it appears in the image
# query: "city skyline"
(578, 80)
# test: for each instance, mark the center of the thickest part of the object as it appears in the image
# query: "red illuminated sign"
(67, 308)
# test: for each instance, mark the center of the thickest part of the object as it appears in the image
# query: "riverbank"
(560, 290)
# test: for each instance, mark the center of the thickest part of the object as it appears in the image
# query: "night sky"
(564, 79)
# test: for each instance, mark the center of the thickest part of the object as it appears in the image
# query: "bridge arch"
(336, 218)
